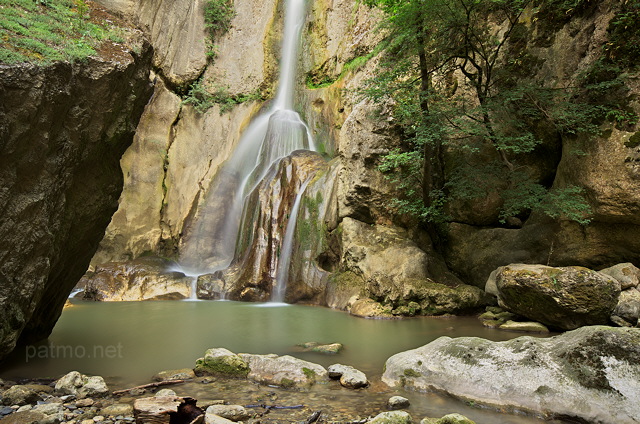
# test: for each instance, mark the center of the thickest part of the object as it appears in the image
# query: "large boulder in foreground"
(565, 298)
(592, 373)
(285, 371)
(63, 130)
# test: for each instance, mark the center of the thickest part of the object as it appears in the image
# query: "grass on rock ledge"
(44, 31)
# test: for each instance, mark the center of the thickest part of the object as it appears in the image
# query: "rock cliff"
(63, 129)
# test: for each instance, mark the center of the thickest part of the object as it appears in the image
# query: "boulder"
(19, 395)
(565, 298)
(216, 419)
(81, 386)
(448, 419)
(230, 412)
(54, 412)
(285, 371)
(398, 402)
(349, 377)
(64, 129)
(220, 361)
(24, 417)
(628, 307)
(145, 278)
(592, 374)
(369, 308)
(392, 417)
(165, 393)
(626, 273)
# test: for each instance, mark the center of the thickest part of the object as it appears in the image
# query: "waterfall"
(210, 242)
(282, 271)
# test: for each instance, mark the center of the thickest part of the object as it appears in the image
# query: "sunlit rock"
(229, 412)
(349, 377)
(626, 273)
(81, 386)
(592, 373)
(220, 361)
(392, 417)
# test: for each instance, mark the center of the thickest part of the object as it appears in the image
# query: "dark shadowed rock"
(63, 129)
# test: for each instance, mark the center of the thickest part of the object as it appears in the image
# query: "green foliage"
(217, 17)
(623, 47)
(204, 96)
(429, 43)
(49, 30)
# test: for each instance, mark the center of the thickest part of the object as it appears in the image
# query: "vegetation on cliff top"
(44, 31)
(472, 113)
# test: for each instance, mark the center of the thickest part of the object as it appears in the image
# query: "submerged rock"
(181, 374)
(525, 327)
(331, 349)
(566, 298)
(448, 419)
(230, 412)
(592, 373)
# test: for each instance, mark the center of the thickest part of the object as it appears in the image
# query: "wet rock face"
(63, 129)
(552, 377)
(141, 279)
(565, 298)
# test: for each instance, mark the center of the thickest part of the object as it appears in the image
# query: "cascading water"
(210, 243)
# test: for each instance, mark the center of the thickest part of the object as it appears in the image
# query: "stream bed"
(128, 342)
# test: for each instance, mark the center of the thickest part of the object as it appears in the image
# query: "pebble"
(84, 402)
(98, 418)
(6, 411)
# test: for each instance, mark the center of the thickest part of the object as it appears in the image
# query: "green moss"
(287, 383)
(224, 366)
(410, 372)
(309, 373)
(633, 141)
(51, 30)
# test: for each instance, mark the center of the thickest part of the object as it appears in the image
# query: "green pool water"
(128, 342)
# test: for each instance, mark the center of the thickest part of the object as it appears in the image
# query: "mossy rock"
(221, 362)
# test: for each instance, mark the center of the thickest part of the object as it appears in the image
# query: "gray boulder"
(592, 373)
(392, 417)
(285, 371)
(220, 361)
(628, 307)
(54, 413)
(81, 386)
(19, 395)
(565, 298)
(349, 376)
(626, 273)
(230, 412)
(398, 402)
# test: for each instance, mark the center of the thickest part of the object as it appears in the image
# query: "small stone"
(398, 402)
(394, 417)
(83, 403)
(6, 411)
(98, 418)
(216, 419)
(454, 419)
(87, 422)
(165, 392)
(20, 395)
(118, 409)
(230, 412)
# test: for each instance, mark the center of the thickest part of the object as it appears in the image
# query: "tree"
(429, 44)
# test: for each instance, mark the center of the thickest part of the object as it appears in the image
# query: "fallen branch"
(269, 407)
(150, 385)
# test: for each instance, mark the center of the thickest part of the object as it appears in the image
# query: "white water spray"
(211, 243)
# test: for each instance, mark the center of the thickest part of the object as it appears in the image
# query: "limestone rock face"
(63, 129)
(566, 298)
(252, 274)
(399, 275)
(142, 279)
(592, 373)
(176, 30)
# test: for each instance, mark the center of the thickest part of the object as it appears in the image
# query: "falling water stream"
(210, 244)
